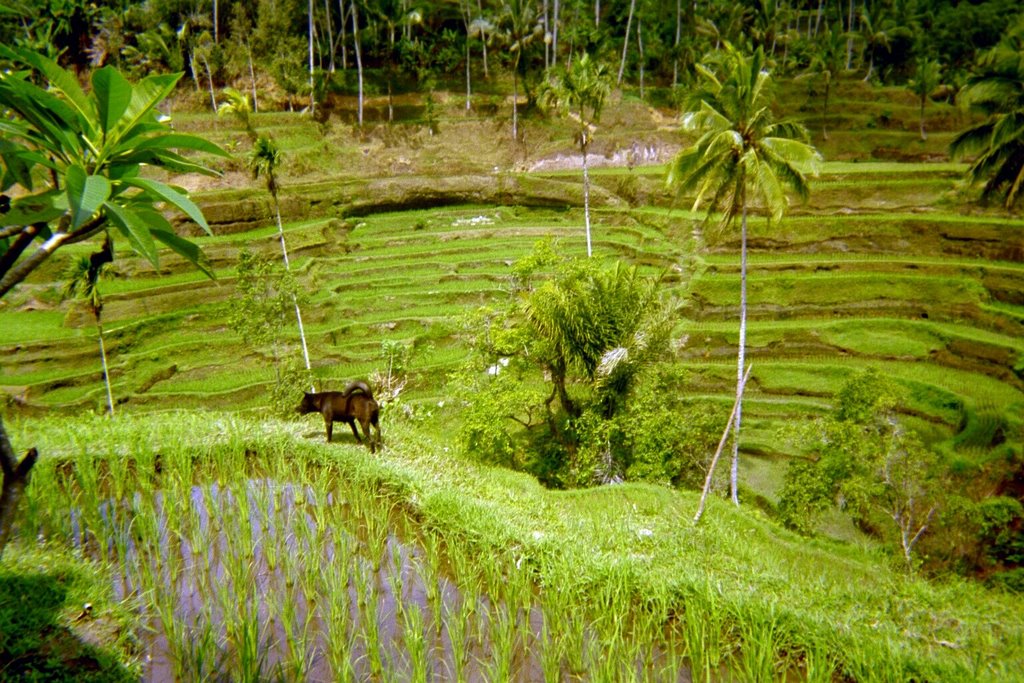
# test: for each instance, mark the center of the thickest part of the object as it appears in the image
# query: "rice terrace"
(677, 341)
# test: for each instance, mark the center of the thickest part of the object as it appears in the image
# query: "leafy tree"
(265, 296)
(863, 457)
(875, 36)
(74, 159)
(997, 143)
(740, 151)
(580, 92)
(82, 282)
(236, 104)
(587, 334)
(155, 51)
(77, 158)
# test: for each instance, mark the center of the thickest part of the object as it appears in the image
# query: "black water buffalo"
(356, 402)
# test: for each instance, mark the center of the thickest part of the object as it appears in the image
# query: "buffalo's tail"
(358, 386)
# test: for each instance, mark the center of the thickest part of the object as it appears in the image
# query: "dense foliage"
(408, 45)
(566, 381)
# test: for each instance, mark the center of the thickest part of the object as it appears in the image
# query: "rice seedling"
(456, 625)
(369, 624)
(502, 636)
(415, 642)
(761, 639)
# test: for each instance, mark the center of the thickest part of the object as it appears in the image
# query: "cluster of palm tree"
(306, 46)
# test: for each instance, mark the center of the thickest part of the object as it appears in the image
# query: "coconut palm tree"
(997, 143)
(263, 162)
(83, 277)
(580, 92)
(827, 61)
(740, 153)
(521, 26)
(875, 35)
(926, 78)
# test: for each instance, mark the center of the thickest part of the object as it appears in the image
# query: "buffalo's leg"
(352, 424)
(380, 439)
(368, 434)
(329, 424)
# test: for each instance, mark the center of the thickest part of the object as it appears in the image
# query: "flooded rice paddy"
(256, 578)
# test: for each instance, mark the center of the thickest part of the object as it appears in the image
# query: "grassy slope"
(844, 601)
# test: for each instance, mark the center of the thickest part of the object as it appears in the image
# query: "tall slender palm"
(740, 153)
(827, 61)
(997, 143)
(580, 92)
(625, 42)
(263, 161)
(926, 78)
(875, 35)
(83, 276)
(520, 21)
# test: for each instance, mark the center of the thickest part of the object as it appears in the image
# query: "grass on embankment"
(746, 582)
(59, 620)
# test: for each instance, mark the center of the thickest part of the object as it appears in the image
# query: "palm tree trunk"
(740, 380)
(554, 33)
(515, 97)
(341, 35)
(640, 49)
(625, 44)
(330, 34)
(824, 109)
(679, 36)
(483, 38)
(359, 59)
(103, 360)
(718, 452)
(924, 136)
(209, 79)
(312, 94)
(586, 198)
(546, 24)
(287, 266)
(252, 78)
(468, 91)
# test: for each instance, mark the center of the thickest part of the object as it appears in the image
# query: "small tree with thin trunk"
(263, 161)
(580, 92)
(83, 278)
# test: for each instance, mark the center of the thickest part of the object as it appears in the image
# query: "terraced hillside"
(398, 233)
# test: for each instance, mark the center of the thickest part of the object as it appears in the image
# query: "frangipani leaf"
(135, 229)
(171, 196)
(113, 93)
(86, 194)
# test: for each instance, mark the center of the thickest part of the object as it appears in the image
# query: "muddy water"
(308, 586)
